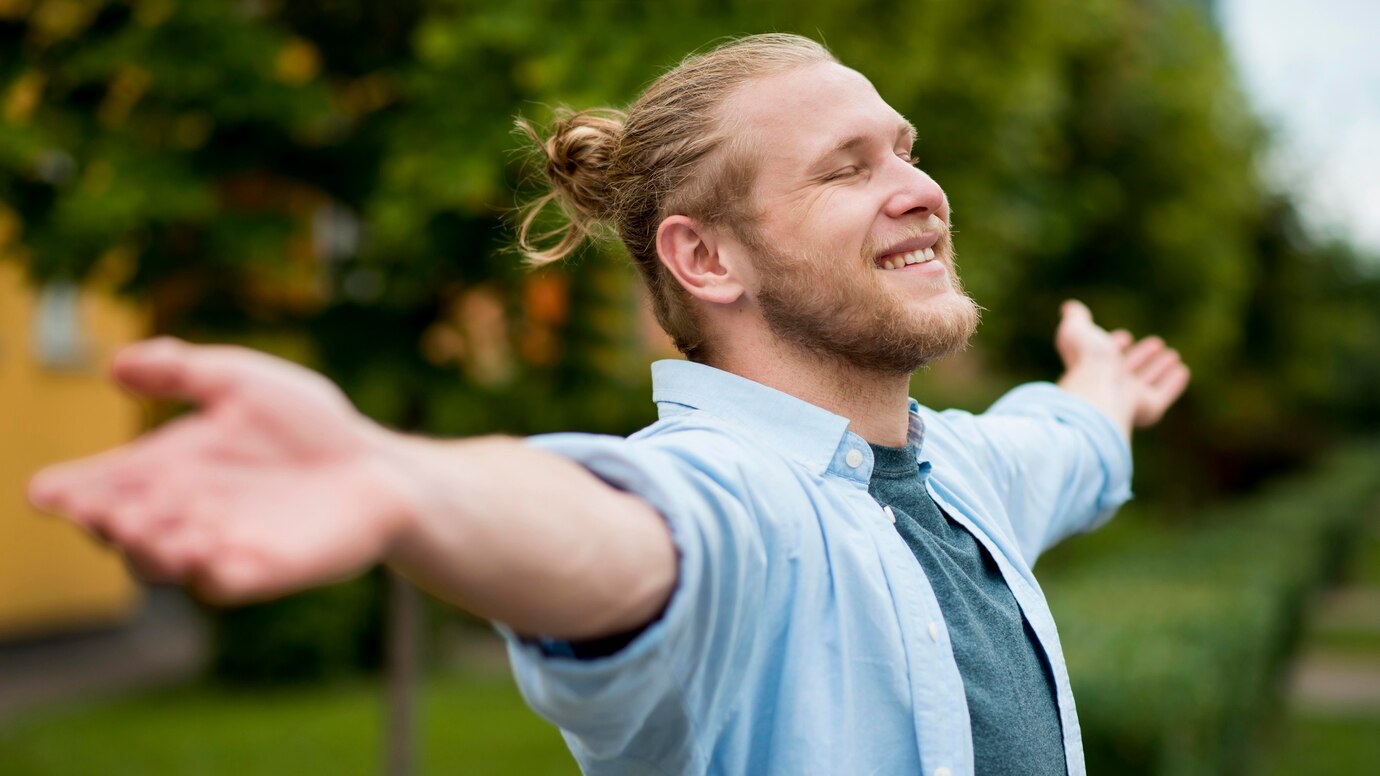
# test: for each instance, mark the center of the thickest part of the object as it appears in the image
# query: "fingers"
(167, 534)
(130, 498)
(174, 550)
(84, 491)
(1156, 399)
(81, 489)
(52, 489)
(1155, 368)
(167, 367)
(170, 368)
(1158, 367)
(176, 535)
(1170, 386)
(1142, 352)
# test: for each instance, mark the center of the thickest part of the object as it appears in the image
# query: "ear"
(706, 266)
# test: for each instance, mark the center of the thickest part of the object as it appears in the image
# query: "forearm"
(526, 537)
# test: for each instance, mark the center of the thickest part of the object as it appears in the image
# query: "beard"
(842, 310)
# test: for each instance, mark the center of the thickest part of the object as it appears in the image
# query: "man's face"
(838, 199)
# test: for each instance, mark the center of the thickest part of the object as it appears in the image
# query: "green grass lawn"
(1320, 745)
(472, 724)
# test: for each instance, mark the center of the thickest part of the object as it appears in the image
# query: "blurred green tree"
(329, 179)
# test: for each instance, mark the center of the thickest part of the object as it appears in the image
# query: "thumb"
(1077, 332)
(1074, 320)
(166, 367)
(1074, 313)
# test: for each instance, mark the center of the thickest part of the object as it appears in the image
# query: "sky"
(1312, 70)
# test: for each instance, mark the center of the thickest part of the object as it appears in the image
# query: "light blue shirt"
(802, 636)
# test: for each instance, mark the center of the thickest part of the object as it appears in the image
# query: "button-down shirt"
(802, 637)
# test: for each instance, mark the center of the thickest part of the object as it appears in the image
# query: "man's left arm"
(1060, 456)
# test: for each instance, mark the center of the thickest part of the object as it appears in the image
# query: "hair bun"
(576, 155)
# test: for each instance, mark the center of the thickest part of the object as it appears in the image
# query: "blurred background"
(333, 181)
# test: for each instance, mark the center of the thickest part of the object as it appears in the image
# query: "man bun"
(575, 156)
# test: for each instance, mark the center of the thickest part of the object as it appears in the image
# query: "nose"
(917, 194)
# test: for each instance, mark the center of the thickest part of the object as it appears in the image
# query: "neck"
(875, 404)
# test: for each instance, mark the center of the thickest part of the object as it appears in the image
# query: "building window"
(60, 340)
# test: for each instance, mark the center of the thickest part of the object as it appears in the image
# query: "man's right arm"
(277, 484)
(527, 537)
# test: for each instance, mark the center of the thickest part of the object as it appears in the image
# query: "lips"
(915, 250)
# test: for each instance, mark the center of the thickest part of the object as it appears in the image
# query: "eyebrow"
(903, 129)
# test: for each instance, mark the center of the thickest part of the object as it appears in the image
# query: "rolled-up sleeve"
(1061, 465)
(649, 691)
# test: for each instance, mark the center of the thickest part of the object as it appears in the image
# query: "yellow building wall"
(52, 576)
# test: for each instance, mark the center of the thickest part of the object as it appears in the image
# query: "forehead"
(790, 118)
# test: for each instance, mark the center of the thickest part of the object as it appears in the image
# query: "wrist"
(427, 488)
(1104, 388)
(394, 484)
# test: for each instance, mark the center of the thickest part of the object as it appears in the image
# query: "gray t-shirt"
(1010, 691)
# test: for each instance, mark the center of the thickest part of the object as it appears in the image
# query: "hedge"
(1178, 636)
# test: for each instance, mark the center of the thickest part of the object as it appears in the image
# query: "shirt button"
(890, 515)
(942, 771)
(934, 636)
(854, 458)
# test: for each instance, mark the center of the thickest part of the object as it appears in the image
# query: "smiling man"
(797, 569)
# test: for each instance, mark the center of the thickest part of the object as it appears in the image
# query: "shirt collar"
(794, 427)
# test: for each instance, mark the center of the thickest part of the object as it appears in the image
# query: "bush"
(1176, 638)
(322, 634)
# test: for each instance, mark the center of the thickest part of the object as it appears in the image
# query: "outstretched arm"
(277, 484)
(1133, 381)
(1059, 457)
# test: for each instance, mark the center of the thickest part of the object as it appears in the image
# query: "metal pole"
(403, 645)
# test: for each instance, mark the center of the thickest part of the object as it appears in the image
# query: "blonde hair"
(670, 153)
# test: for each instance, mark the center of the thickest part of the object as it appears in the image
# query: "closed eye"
(842, 173)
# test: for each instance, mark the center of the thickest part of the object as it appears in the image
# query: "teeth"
(905, 259)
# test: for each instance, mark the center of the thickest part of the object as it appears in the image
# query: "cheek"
(835, 222)
(814, 208)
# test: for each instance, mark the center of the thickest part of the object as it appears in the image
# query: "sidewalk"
(1339, 673)
(165, 644)
(1333, 723)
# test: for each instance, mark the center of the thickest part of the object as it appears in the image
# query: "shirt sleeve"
(1060, 464)
(637, 704)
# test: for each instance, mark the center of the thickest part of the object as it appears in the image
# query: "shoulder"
(691, 458)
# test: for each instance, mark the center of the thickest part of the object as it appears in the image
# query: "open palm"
(271, 486)
(1134, 379)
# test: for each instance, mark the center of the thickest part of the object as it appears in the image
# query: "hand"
(274, 485)
(1134, 381)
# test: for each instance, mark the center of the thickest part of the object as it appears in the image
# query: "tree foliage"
(330, 179)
